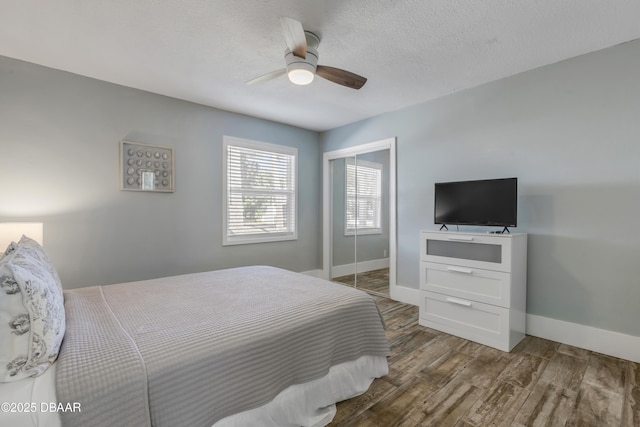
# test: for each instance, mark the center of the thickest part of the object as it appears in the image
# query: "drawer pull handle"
(465, 238)
(460, 270)
(459, 302)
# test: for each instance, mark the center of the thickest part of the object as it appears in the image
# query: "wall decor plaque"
(145, 167)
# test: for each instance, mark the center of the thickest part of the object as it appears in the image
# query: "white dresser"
(474, 285)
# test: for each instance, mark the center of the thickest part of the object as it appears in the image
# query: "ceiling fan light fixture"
(301, 57)
(301, 71)
(300, 76)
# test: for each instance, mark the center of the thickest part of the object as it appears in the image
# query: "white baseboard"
(599, 340)
(315, 273)
(405, 295)
(363, 267)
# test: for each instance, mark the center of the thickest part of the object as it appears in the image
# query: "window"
(260, 183)
(363, 197)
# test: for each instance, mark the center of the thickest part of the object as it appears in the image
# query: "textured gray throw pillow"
(32, 319)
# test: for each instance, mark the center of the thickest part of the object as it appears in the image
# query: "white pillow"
(37, 252)
(12, 247)
(32, 319)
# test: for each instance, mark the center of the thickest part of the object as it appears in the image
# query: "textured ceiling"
(411, 50)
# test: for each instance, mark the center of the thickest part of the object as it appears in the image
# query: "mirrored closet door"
(343, 250)
(360, 220)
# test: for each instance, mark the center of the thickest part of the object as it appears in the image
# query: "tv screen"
(485, 202)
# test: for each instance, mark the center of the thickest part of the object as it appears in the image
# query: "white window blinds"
(363, 197)
(260, 186)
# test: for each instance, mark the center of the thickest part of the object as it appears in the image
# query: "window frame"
(367, 230)
(228, 239)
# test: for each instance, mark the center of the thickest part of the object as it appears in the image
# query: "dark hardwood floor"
(374, 281)
(436, 379)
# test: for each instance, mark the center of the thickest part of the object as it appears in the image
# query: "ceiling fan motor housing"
(302, 70)
(295, 62)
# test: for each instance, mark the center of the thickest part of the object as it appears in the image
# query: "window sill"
(245, 240)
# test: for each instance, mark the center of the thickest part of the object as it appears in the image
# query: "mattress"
(196, 349)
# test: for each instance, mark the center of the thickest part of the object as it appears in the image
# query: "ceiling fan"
(301, 58)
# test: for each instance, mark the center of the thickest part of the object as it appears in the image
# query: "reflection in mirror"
(343, 262)
(372, 224)
(360, 221)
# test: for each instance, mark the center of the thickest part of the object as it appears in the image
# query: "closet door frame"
(390, 144)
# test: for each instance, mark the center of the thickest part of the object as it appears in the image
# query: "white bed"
(309, 404)
(247, 346)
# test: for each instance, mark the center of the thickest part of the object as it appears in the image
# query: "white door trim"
(390, 144)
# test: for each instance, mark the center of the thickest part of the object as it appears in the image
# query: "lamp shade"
(13, 231)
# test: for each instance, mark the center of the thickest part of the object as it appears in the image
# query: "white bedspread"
(195, 349)
(310, 404)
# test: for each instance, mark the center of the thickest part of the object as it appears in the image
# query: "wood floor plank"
(446, 367)
(564, 371)
(351, 408)
(634, 373)
(407, 366)
(485, 368)
(606, 372)
(402, 318)
(596, 407)
(448, 406)
(537, 346)
(631, 405)
(386, 305)
(436, 379)
(394, 335)
(407, 342)
(546, 405)
(470, 348)
(376, 281)
(631, 408)
(523, 370)
(499, 405)
(570, 350)
(397, 407)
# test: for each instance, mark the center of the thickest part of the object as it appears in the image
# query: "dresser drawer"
(488, 286)
(476, 321)
(489, 252)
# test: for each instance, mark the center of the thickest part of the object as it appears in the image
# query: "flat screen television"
(490, 202)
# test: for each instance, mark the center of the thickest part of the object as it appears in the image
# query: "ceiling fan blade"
(342, 77)
(269, 76)
(294, 36)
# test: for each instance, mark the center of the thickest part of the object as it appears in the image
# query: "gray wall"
(570, 132)
(59, 145)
